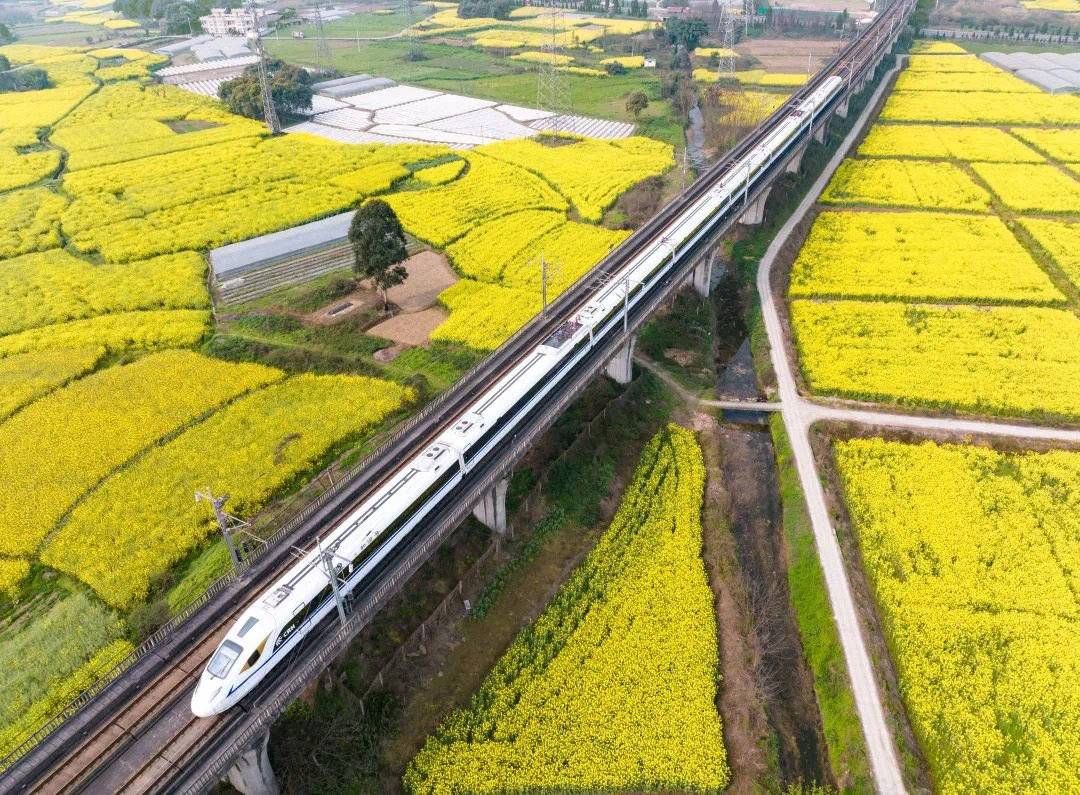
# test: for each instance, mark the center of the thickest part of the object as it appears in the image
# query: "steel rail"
(76, 733)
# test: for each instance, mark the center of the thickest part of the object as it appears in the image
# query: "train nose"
(204, 701)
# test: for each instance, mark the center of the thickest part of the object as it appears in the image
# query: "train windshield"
(223, 659)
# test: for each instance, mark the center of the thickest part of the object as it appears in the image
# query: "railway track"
(138, 734)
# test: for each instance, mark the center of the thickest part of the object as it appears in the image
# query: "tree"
(29, 78)
(378, 244)
(687, 32)
(615, 68)
(290, 87)
(637, 102)
(6, 36)
(5, 64)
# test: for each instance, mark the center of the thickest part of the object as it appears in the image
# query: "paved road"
(798, 415)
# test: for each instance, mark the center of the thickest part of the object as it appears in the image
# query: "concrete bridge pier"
(251, 774)
(701, 276)
(621, 367)
(795, 162)
(820, 130)
(491, 510)
(754, 214)
(842, 108)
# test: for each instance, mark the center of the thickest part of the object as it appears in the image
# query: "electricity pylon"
(323, 56)
(552, 91)
(255, 37)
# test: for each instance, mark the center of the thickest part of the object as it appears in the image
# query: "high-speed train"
(299, 599)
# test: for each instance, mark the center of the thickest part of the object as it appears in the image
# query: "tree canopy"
(687, 32)
(290, 86)
(378, 243)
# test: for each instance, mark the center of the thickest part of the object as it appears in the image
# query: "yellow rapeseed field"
(996, 81)
(54, 287)
(905, 183)
(20, 168)
(144, 519)
(69, 75)
(932, 141)
(613, 687)
(590, 173)
(118, 332)
(508, 250)
(437, 175)
(489, 189)
(1019, 361)
(543, 57)
(980, 107)
(926, 256)
(1061, 240)
(483, 316)
(61, 445)
(937, 48)
(27, 376)
(1042, 188)
(29, 220)
(12, 572)
(953, 63)
(971, 557)
(1062, 145)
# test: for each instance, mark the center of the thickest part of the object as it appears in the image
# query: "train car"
(297, 601)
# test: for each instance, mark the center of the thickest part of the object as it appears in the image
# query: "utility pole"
(255, 37)
(543, 282)
(326, 558)
(226, 523)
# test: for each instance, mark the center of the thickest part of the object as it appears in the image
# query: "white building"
(240, 22)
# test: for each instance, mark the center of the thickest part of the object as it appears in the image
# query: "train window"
(247, 627)
(223, 659)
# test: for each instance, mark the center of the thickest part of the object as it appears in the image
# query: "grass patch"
(682, 341)
(821, 643)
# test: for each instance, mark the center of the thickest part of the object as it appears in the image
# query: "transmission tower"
(323, 56)
(552, 91)
(749, 9)
(228, 524)
(726, 34)
(255, 37)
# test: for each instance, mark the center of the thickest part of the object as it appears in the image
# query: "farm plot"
(30, 221)
(1061, 239)
(982, 107)
(905, 183)
(613, 687)
(23, 160)
(1039, 188)
(918, 256)
(27, 376)
(1063, 145)
(995, 81)
(145, 516)
(1019, 361)
(941, 142)
(591, 174)
(971, 554)
(57, 448)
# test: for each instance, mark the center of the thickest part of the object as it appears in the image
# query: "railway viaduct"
(135, 733)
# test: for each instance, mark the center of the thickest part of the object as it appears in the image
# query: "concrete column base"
(820, 130)
(754, 214)
(795, 162)
(491, 510)
(621, 367)
(251, 774)
(701, 276)
(842, 108)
